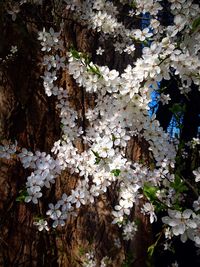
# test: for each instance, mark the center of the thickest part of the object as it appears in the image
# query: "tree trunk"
(30, 117)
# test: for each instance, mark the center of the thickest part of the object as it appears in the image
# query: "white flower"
(104, 147)
(110, 75)
(8, 150)
(105, 261)
(55, 214)
(197, 175)
(60, 62)
(129, 49)
(77, 197)
(168, 233)
(117, 243)
(165, 98)
(175, 264)
(15, 10)
(129, 230)
(42, 225)
(13, 49)
(99, 51)
(54, 211)
(180, 22)
(194, 142)
(196, 204)
(142, 35)
(176, 4)
(131, 13)
(167, 246)
(148, 208)
(49, 39)
(179, 221)
(33, 194)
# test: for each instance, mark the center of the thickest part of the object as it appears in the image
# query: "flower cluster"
(89, 260)
(46, 169)
(11, 55)
(186, 224)
(129, 230)
(7, 150)
(120, 114)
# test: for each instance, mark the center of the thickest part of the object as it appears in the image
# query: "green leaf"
(150, 191)
(75, 53)
(22, 195)
(113, 138)
(151, 249)
(116, 172)
(195, 24)
(178, 185)
(177, 108)
(38, 218)
(96, 154)
(133, 4)
(138, 221)
(87, 59)
(94, 69)
(128, 261)
(82, 251)
(98, 158)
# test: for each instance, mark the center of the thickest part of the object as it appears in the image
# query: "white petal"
(184, 237)
(187, 213)
(191, 224)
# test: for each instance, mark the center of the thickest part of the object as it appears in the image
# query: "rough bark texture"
(30, 117)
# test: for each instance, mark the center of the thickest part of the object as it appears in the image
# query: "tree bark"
(30, 117)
